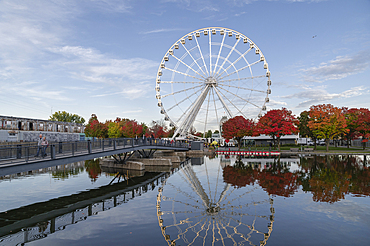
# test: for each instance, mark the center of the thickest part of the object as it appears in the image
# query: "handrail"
(26, 153)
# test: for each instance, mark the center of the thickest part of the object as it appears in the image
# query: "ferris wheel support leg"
(188, 121)
(223, 103)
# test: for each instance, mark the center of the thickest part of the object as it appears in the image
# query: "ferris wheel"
(209, 74)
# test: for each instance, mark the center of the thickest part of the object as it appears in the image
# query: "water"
(315, 200)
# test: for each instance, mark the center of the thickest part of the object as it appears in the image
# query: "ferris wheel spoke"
(240, 57)
(223, 103)
(235, 230)
(205, 122)
(194, 60)
(245, 100)
(176, 201)
(181, 82)
(238, 79)
(188, 66)
(191, 115)
(214, 104)
(175, 71)
(242, 88)
(177, 92)
(240, 69)
(226, 232)
(201, 55)
(237, 197)
(219, 92)
(184, 193)
(183, 100)
(219, 54)
(210, 54)
(227, 57)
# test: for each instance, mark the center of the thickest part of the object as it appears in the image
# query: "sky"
(102, 56)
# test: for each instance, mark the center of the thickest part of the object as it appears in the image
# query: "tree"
(327, 122)
(132, 129)
(94, 128)
(277, 123)
(208, 134)
(157, 129)
(238, 127)
(66, 117)
(303, 128)
(363, 123)
(351, 116)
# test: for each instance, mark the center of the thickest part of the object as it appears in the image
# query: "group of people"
(42, 144)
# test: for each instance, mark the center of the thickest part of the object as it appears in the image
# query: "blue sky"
(102, 56)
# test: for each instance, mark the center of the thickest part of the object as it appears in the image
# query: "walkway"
(21, 158)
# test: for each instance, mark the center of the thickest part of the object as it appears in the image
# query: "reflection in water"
(36, 221)
(328, 178)
(198, 208)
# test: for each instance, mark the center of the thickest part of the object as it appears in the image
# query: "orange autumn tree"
(277, 123)
(327, 122)
(238, 127)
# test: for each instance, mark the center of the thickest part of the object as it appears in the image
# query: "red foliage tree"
(94, 128)
(277, 123)
(238, 127)
(132, 129)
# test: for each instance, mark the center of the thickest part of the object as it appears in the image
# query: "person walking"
(44, 144)
(39, 146)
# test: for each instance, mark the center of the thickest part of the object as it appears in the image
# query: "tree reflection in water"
(93, 169)
(328, 178)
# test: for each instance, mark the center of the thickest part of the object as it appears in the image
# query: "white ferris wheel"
(208, 74)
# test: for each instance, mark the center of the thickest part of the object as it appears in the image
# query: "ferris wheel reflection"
(197, 207)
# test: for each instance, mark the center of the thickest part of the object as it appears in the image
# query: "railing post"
(73, 149)
(89, 146)
(52, 151)
(19, 151)
(60, 147)
(27, 155)
(102, 145)
(114, 144)
(132, 142)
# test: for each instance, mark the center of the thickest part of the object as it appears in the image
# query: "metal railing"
(28, 152)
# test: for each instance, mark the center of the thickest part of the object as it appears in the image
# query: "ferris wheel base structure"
(209, 74)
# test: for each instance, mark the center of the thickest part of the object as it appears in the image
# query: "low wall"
(33, 136)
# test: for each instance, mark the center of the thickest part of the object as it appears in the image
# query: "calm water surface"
(315, 200)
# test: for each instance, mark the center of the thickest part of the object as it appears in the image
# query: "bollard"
(27, 155)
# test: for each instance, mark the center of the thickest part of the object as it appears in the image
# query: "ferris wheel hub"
(213, 209)
(211, 81)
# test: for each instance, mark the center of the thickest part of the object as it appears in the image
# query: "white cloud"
(340, 67)
(121, 6)
(317, 95)
(195, 5)
(162, 30)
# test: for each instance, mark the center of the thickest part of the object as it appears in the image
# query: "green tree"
(66, 117)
